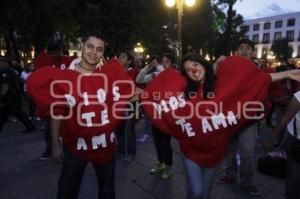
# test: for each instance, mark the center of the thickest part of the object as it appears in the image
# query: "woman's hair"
(170, 57)
(192, 85)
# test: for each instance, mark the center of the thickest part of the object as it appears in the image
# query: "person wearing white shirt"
(291, 118)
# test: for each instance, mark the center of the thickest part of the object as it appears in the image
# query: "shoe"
(252, 189)
(166, 173)
(29, 130)
(129, 158)
(159, 167)
(46, 155)
(225, 179)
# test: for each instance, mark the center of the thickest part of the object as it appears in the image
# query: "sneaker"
(166, 173)
(46, 155)
(252, 189)
(129, 158)
(159, 167)
(225, 179)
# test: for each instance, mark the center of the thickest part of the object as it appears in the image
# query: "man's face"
(123, 58)
(92, 50)
(244, 50)
(154, 63)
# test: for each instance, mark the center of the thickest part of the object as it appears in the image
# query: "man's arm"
(143, 77)
(292, 74)
(292, 109)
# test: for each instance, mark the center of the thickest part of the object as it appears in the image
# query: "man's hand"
(294, 74)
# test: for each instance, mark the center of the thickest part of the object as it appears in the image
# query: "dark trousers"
(126, 135)
(48, 136)
(292, 183)
(72, 172)
(16, 110)
(31, 107)
(162, 142)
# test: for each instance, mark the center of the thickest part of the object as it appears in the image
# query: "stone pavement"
(24, 176)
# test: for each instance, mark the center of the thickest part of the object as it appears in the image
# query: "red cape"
(48, 86)
(238, 82)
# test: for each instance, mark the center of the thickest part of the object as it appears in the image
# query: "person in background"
(291, 120)
(162, 141)
(28, 69)
(52, 57)
(244, 142)
(11, 97)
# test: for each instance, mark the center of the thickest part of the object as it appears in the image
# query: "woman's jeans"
(199, 179)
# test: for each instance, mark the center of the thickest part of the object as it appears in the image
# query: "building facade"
(264, 31)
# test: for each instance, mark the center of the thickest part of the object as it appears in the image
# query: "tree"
(230, 25)
(230, 28)
(282, 50)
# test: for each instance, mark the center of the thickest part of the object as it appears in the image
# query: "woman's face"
(166, 62)
(195, 71)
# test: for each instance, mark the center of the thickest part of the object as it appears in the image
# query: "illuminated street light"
(190, 3)
(139, 50)
(170, 3)
(179, 3)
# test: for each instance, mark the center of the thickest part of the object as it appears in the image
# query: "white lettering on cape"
(217, 121)
(186, 126)
(172, 104)
(100, 141)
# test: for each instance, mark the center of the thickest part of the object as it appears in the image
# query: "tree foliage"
(31, 24)
(282, 50)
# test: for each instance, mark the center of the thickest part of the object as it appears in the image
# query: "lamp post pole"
(179, 4)
(179, 33)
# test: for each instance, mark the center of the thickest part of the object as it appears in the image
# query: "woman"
(200, 78)
(162, 141)
(203, 140)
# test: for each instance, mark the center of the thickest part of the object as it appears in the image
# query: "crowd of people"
(194, 78)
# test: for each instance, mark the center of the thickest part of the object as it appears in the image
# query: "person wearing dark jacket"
(10, 97)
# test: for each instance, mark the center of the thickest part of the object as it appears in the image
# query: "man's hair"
(128, 54)
(245, 41)
(170, 56)
(97, 34)
(55, 46)
(153, 57)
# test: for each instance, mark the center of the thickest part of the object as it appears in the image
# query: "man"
(126, 135)
(73, 168)
(289, 119)
(53, 57)
(244, 142)
(90, 97)
(11, 97)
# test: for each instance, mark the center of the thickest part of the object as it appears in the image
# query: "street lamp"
(179, 3)
(139, 50)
